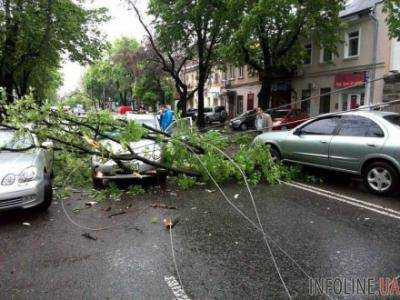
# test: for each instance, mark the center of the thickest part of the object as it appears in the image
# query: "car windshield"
(279, 113)
(394, 119)
(10, 139)
(207, 109)
(248, 113)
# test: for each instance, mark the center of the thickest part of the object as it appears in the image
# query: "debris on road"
(91, 203)
(169, 223)
(26, 224)
(210, 191)
(154, 220)
(164, 206)
(117, 214)
(89, 236)
(236, 196)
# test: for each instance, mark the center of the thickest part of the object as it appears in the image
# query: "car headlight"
(27, 175)
(8, 180)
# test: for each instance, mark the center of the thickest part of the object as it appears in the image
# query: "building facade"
(330, 82)
(340, 82)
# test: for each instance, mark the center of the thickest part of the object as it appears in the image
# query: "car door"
(309, 144)
(357, 137)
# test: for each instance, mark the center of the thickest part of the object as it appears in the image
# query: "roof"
(356, 6)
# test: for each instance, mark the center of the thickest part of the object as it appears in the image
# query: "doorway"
(351, 101)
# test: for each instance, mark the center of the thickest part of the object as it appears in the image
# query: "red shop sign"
(349, 80)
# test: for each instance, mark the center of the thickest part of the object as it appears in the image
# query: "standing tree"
(169, 56)
(269, 35)
(198, 28)
(33, 36)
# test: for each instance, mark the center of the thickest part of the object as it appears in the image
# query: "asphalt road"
(218, 253)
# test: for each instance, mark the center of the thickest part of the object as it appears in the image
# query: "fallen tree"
(81, 137)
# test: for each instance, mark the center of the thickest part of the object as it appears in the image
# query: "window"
(250, 101)
(305, 105)
(359, 127)
(239, 105)
(240, 72)
(326, 56)
(325, 101)
(394, 119)
(352, 46)
(324, 126)
(232, 72)
(308, 54)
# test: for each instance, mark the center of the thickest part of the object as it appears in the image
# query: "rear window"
(394, 119)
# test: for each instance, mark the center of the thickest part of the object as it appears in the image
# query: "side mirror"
(47, 145)
(297, 131)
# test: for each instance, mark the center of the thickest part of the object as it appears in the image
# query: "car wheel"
(381, 178)
(48, 195)
(243, 127)
(98, 184)
(275, 155)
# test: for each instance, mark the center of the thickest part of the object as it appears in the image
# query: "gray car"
(364, 143)
(25, 171)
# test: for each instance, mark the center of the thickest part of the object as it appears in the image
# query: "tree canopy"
(114, 75)
(393, 9)
(35, 36)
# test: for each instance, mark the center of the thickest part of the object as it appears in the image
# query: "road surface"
(218, 253)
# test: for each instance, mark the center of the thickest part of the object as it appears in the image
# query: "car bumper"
(24, 196)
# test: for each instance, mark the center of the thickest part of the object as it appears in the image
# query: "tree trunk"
(8, 85)
(200, 99)
(264, 96)
(182, 104)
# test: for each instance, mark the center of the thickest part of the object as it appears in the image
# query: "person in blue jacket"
(166, 119)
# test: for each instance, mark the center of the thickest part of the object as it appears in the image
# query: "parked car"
(364, 143)
(288, 119)
(215, 114)
(192, 113)
(25, 171)
(244, 121)
(107, 170)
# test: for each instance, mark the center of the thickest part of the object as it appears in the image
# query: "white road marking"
(346, 199)
(176, 288)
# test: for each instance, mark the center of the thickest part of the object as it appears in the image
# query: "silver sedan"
(364, 143)
(25, 171)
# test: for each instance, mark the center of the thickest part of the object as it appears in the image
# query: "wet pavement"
(219, 255)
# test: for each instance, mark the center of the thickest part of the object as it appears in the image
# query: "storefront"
(353, 95)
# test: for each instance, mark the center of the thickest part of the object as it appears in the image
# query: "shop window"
(352, 45)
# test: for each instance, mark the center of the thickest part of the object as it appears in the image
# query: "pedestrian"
(263, 121)
(166, 119)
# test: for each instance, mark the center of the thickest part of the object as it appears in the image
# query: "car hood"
(272, 136)
(139, 147)
(13, 162)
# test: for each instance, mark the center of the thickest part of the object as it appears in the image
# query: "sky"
(123, 23)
